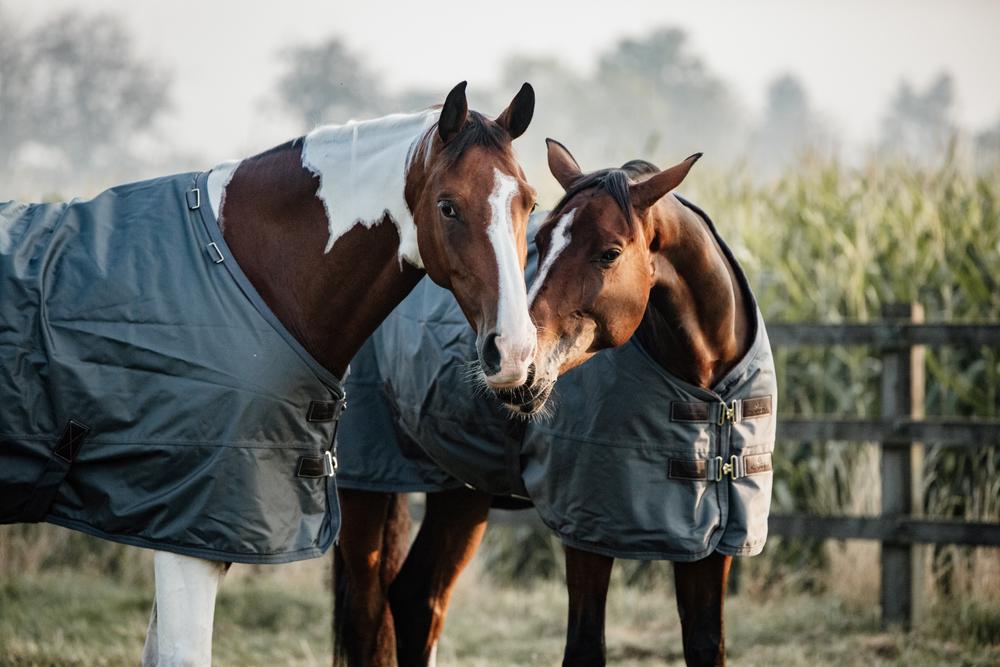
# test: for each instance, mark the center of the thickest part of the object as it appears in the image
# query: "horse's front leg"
(587, 578)
(362, 630)
(180, 628)
(701, 598)
(449, 535)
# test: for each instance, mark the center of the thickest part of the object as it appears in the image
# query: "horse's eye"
(609, 256)
(534, 207)
(447, 209)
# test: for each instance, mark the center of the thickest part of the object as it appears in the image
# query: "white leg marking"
(432, 660)
(560, 241)
(185, 609)
(515, 332)
(150, 654)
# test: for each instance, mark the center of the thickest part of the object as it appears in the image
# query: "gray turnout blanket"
(634, 462)
(147, 394)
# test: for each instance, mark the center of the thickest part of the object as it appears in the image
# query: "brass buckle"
(727, 413)
(723, 468)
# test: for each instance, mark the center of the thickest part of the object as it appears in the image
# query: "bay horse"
(619, 258)
(332, 230)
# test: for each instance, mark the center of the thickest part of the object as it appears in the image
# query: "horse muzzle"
(506, 360)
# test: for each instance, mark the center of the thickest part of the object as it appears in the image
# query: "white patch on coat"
(362, 174)
(184, 609)
(560, 241)
(218, 180)
(516, 333)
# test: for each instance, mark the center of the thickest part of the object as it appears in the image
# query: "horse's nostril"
(490, 356)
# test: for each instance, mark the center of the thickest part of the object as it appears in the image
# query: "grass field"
(281, 616)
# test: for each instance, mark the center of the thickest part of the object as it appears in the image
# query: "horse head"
(470, 204)
(596, 255)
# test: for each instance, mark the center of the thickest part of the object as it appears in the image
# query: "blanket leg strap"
(56, 469)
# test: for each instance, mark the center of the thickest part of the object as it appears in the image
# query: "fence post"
(902, 565)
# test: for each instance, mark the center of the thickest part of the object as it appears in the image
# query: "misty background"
(92, 97)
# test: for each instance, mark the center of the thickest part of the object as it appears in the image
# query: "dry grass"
(280, 615)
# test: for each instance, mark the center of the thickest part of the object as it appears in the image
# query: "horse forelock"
(477, 131)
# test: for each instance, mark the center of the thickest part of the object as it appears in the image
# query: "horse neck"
(696, 322)
(323, 233)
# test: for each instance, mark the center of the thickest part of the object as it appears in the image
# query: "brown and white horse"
(333, 230)
(618, 257)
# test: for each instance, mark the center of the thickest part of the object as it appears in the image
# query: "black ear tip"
(459, 88)
(695, 157)
(527, 88)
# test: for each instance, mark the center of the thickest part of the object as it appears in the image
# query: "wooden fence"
(902, 431)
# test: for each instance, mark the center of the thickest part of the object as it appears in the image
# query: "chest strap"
(324, 465)
(720, 413)
(715, 469)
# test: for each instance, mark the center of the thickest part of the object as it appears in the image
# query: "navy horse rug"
(633, 463)
(147, 394)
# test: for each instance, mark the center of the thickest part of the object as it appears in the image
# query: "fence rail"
(886, 529)
(884, 334)
(952, 432)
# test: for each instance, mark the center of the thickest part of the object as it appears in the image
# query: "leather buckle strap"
(737, 410)
(316, 467)
(326, 411)
(737, 467)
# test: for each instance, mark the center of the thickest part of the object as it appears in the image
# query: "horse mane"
(613, 181)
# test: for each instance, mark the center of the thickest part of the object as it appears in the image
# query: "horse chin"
(526, 402)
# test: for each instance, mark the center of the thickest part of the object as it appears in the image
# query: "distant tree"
(661, 99)
(987, 145)
(565, 110)
(325, 82)
(75, 86)
(788, 128)
(919, 124)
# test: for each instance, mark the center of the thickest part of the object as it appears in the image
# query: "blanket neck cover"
(634, 462)
(147, 394)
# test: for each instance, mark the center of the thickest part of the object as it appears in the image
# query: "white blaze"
(560, 241)
(516, 334)
(362, 174)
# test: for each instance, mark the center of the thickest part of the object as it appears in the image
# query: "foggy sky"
(851, 55)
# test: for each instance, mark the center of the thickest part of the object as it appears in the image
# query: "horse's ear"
(453, 113)
(517, 116)
(646, 193)
(562, 164)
